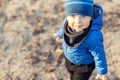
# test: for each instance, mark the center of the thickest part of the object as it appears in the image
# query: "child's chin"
(78, 30)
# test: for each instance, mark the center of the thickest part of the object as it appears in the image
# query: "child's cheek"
(71, 25)
(87, 24)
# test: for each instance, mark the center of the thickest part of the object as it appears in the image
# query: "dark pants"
(79, 72)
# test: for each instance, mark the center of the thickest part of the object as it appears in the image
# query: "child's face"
(78, 22)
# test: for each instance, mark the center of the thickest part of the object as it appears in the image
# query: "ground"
(28, 50)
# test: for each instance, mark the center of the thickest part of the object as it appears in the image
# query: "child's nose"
(78, 20)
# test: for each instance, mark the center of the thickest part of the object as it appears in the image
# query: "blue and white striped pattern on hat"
(80, 7)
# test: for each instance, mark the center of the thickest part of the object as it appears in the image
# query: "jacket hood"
(97, 22)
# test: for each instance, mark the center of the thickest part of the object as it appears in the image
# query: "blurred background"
(28, 50)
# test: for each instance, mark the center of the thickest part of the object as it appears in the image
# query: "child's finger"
(100, 77)
(58, 40)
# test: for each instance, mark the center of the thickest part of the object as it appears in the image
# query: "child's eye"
(72, 15)
(82, 16)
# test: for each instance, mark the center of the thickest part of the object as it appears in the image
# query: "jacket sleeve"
(97, 50)
(60, 31)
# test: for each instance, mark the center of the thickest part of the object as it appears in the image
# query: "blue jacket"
(91, 49)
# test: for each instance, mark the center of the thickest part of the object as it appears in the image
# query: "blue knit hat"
(80, 7)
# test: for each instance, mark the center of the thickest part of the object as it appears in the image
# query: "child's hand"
(101, 77)
(59, 40)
